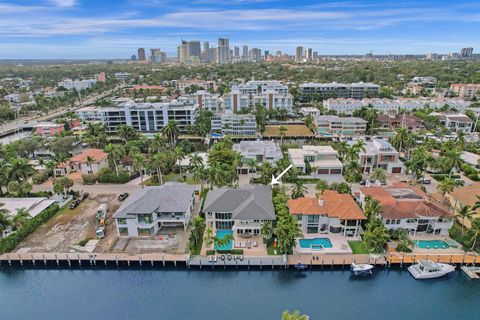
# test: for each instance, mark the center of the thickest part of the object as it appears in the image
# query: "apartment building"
(321, 159)
(455, 122)
(381, 154)
(144, 117)
(320, 91)
(340, 125)
(78, 85)
(181, 85)
(408, 208)
(310, 111)
(259, 151)
(203, 100)
(465, 91)
(234, 124)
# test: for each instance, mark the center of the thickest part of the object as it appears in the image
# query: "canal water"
(194, 294)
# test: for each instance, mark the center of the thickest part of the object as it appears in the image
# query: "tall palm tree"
(127, 133)
(460, 139)
(195, 161)
(198, 224)
(157, 143)
(201, 173)
(18, 169)
(372, 209)
(282, 131)
(475, 232)
(342, 148)
(252, 165)
(446, 186)
(403, 139)
(115, 155)
(171, 131)
(159, 162)
(21, 217)
(90, 160)
(298, 189)
(454, 159)
(376, 236)
(138, 162)
(321, 185)
(266, 231)
(465, 212)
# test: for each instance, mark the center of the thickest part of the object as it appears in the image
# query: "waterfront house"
(80, 163)
(149, 209)
(259, 151)
(340, 125)
(322, 159)
(241, 210)
(409, 208)
(331, 212)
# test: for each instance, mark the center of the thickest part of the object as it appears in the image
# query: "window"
(122, 221)
(145, 218)
(299, 217)
(313, 219)
(123, 231)
(143, 231)
(312, 229)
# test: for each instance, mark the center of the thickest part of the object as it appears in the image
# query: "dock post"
(90, 260)
(200, 262)
(332, 263)
(128, 262)
(236, 264)
(10, 261)
(343, 266)
(105, 262)
(140, 261)
(79, 261)
(163, 260)
(273, 263)
(260, 264)
(248, 264)
(151, 262)
(68, 260)
(56, 260)
(116, 260)
(94, 260)
(224, 264)
(21, 262)
(44, 260)
(322, 263)
(33, 260)
(175, 263)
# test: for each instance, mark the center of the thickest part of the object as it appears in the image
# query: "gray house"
(241, 210)
(152, 208)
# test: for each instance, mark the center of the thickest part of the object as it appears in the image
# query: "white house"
(323, 158)
(259, 151)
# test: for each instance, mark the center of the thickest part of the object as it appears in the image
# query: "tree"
(62, 185)
(5, 221)
(19, 189)
(378, 174)
(171, 131)
(21, 217)
(89, 161)
(372, 209)
(287, 231)
(321, 185)
(127, 133)
(18, 169)
(198, 224)
(282, 131)
(252, 165)
(298, 189)
(195, 162)
(465, 212)
(446, 186)
(209, 237)
(403, 139)
(159, 162)
(405, 244)
(294, 316)
(266, 231)
(376, 235)
(138, 162)
(201, 173)
(116, 153)
(474, 232)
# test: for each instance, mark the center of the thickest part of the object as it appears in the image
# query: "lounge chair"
(255, 244)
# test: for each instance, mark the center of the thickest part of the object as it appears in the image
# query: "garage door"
(397, 170)
(336, 171)
(322, 171)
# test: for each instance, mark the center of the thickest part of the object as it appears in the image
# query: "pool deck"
(339, 244)
(433, 251)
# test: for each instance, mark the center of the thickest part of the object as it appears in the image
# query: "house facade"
(80, 163)
(148, 210)
(409, 208)
(332, 213)
(381, 154)
(241, 210)
(322, 159)
(259, 151)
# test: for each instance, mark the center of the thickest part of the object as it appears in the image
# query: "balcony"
(171, 217)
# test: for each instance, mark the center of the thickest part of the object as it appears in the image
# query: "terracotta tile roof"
(97, 154)
(330, 203)
(467, 195)
(402, 201)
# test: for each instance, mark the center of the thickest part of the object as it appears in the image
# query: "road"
(10, 127)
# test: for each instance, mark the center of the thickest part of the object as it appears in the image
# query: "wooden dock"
(472, 272)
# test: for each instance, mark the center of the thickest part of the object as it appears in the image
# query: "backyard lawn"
(358, 247)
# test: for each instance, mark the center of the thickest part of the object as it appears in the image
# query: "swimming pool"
(220, 235)
(315, 243)
(431, 244)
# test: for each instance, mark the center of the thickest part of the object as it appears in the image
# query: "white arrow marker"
(275, 180)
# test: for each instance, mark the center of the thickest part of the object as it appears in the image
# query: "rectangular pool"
(431, 244)
(220, 235)
(315, 243)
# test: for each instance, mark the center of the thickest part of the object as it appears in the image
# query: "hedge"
(233, 251)
(10, 242)
(40, 177)
(108, 176)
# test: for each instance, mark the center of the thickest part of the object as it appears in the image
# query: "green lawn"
(270, 248)
(175, 177)
(358, 247)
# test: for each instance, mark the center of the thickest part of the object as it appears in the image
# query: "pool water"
(431, 244)
(221, 234)
(308, 243)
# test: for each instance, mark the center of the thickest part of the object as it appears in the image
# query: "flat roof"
(295, 130)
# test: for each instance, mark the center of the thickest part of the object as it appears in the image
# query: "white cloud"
(64, 3)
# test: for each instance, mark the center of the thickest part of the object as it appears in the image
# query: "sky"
(103, 29)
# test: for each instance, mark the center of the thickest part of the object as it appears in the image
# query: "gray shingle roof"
(245, 203)
(170, 197)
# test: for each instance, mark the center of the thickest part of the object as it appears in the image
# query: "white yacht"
(427, 269)
(361, 268)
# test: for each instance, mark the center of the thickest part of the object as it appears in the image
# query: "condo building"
(312, 91)
(181, 85)
(202, 100)
(78, 85)
(465, 91)
(340, 125)
(234, 124)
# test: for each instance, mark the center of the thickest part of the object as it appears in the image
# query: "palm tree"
(158, 161)
(378, 174)
(21, 217)
(372, 209)
(195, 161)
(376, 235)
(321, 185)
(454, 159)
(252, 165)
(90, 160)
(115, 154)
(287, 231)
(342, 149)
(294, 316)
(266, 231)
(465, 212)
(157, 143)
(282, 130)
(460, 139)
(5, 221)
(475, 232)
(127, 133)
(171, 131)
(446, 186)
(298, 189)
(201, 173)
(403, 139)
(197, 229)
(138, 162)
(18, 169)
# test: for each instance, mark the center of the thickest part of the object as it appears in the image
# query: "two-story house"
(90, 161)
(409, 208)
(322, 159)
(259, 151)
(151, 208)
(380, 153)
(332, 212)
(241, 210)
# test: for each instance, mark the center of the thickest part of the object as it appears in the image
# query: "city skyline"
(69, 29)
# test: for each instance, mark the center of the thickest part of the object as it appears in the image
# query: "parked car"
(424, 181)
(123, 196)
(75, 204)
(84, 196)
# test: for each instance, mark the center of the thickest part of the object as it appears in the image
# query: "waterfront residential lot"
(73, 227)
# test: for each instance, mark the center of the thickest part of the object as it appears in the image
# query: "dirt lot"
(70, 227)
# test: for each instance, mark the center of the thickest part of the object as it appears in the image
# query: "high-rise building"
(223, 50)
(141, 54)
(245, 52)
(255, 55)
(206, 49)
(266, 53)
(315, 55)
(299, 54)
(157, 56)
(133, 57)
(182, 52)
(309, 54)
(236, 52)
(466, 52)
(193, 49)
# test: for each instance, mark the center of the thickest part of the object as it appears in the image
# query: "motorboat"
(361, 268)
(300, 266)
(427, 269)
